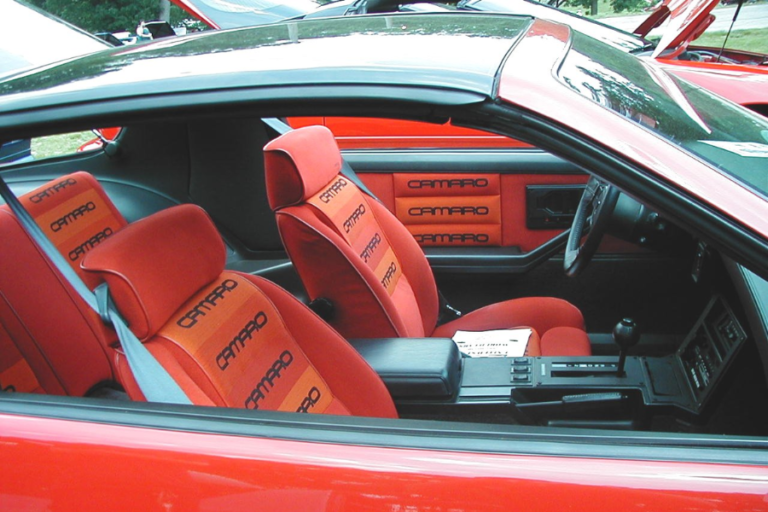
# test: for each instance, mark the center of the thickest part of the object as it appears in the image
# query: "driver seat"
(350, 250)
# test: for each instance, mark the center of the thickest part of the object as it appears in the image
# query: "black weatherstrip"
(496, 161)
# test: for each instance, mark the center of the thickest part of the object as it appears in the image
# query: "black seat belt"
(155, 382)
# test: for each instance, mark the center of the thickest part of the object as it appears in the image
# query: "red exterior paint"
(687, 21)
(529, 80)
(746, 85)
(108, 134)
(65, 465)
(196, 12)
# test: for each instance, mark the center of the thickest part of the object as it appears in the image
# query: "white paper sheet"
(499, 343)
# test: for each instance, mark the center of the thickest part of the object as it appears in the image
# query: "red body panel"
(745, 85)
(112, 467)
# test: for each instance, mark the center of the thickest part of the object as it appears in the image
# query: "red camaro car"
(176, 305)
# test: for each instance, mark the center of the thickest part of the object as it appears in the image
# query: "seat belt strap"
(282, 127)
(155, 382)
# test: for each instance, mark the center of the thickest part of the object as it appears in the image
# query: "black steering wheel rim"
(590, 223)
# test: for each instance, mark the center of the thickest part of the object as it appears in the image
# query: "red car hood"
(688, 19)
(745, 86)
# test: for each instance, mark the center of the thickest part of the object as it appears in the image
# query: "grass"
(58, 145)
(754, 40)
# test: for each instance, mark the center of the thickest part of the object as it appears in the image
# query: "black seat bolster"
(411, 368)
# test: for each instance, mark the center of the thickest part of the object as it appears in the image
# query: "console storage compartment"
(414, 368)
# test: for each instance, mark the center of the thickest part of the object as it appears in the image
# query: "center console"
(429, 378)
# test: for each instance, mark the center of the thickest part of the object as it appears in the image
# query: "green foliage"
(107, 15)
(627, 5)
(590, 6)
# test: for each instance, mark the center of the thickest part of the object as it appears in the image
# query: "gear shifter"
(626, 334)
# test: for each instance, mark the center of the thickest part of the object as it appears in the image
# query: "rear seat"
(50, 340)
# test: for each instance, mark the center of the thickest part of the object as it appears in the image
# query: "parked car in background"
(740, 76)
(674, 171)
(110, 38)
(23, 46)
(30, 37)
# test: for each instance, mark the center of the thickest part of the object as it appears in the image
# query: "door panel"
(466, 209)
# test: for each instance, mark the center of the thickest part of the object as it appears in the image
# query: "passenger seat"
(352, 251)
(227, 338)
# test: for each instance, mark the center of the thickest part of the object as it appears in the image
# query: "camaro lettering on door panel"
(333, 190)
(267, 382)
(419, 211)
(449, 183)
(234, 347)
(52, 190)
(210, 301)
(89, 244)
(72, 216)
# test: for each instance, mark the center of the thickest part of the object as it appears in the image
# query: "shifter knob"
(626, 334)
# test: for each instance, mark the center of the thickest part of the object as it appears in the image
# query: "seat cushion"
(542, 314)
(565, 341)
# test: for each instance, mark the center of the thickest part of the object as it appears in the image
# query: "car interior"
(659, 332)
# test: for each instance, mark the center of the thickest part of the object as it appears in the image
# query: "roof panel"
(436, 50)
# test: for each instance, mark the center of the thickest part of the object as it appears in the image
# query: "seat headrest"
(299, 163)
(157, 263)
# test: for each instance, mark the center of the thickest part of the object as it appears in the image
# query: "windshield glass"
(726, 135)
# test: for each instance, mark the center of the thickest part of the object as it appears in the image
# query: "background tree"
(111, 15)
(590, 6)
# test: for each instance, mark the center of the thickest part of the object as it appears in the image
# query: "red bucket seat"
(227, 338)
(50, 340)
(349, 249)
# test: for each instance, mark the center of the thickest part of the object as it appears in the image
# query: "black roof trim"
(352, 99)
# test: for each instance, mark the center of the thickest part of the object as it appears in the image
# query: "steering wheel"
(590, 222)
